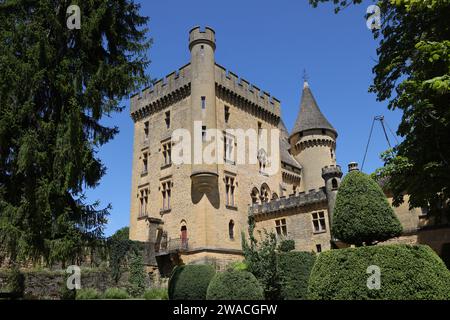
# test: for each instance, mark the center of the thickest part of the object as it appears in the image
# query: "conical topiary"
(362, 214)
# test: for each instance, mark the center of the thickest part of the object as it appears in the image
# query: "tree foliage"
(137, 277)
(286, 245)
(406, 273)
(121, 251)
(56, 85)
(261, 260)
(413, 74)
(362, 214)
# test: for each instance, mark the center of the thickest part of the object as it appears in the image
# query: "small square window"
(203, 103)
(167, 119)
(203, 133)
(146, 130)
(227, 114)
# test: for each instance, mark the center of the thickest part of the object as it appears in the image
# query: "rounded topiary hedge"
(362, 213)
(295, 269)
(190, 282)
(406, 272)
(234, 285)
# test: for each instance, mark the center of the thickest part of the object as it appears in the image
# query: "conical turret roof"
(310, 116)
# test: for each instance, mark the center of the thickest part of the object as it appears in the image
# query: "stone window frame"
(230, 190)
(265, 193)
(334, 184)
(166, 151)
(281, 227)
(227, 114)
(231, 226)
(166, 185)
(143, 196)
(145, 156)
(203, 102)
(229, 141)
(167, 119)
(254, 194)
(146, 131)
(319, 223)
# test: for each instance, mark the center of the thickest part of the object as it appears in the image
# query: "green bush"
(16, 283)
(88, 294)
(234, 285)
(407, 272)
(116, 293)
(156, 294)
(190, 282)
(362, 213)
(237, 265)
(286, 245)
(295, 269)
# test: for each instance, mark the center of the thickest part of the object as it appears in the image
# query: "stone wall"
(47, 284)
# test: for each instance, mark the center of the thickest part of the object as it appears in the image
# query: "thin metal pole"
(384, 130)
(367, 146)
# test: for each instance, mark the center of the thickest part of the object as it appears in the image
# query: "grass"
(156, 294)
(88, 294)
(116, 293)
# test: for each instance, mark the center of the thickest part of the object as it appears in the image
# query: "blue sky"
(268, 43)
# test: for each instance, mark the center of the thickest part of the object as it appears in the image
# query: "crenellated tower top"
(196, 36)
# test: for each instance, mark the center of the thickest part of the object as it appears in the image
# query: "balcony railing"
(172, 245)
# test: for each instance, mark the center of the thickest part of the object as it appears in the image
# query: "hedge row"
(406, 272)
(295, 269)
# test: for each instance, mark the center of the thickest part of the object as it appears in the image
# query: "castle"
(195, 211)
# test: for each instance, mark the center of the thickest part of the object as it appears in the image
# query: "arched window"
(334, 184)
(255, 195)
(265, 193)
(184, 236)
(274, 196)
(231, 229)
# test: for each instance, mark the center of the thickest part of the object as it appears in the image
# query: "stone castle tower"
(313, 144)
(194, 210)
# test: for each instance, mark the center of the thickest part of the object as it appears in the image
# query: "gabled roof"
(310, 116)
(285, 155)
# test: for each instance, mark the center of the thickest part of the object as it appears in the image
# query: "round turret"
(197, 36)
(202, 44)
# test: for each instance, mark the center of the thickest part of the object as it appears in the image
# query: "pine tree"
(56, 84)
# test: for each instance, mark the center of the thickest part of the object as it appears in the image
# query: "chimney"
(353, 166)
